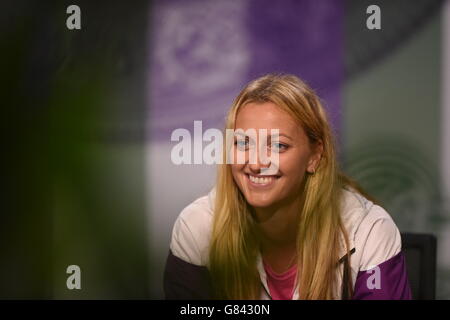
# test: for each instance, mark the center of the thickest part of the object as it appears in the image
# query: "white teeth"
(257, 180)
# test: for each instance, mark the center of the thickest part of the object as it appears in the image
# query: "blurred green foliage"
(74, 195)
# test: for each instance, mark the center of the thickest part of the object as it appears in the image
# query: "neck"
(278, 225)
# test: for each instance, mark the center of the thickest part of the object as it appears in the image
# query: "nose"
(255, 163)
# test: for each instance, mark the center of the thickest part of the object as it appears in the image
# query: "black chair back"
(420, 254)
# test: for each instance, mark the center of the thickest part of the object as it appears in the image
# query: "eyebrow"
(282, 134)
(272, 135)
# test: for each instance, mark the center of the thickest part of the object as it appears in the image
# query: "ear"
(315, 157)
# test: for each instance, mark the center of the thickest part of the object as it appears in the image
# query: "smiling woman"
(301, 231)
(295, 157)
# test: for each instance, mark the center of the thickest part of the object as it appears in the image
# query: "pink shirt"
(281, 286)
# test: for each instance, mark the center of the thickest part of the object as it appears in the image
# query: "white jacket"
(372, 234)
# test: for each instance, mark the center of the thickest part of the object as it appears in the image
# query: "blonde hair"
(234, 244)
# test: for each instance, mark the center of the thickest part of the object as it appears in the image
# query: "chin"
(260, 202)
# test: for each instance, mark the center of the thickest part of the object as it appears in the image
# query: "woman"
(302, 231)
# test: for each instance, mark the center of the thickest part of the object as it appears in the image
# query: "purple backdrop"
(203, 52)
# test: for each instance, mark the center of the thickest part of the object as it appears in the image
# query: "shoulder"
(372, 231)
(192, 229)
(378, 237)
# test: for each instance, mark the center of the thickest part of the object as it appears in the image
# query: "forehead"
(265, 115)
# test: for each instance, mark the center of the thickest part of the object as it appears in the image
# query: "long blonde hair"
(234, 245)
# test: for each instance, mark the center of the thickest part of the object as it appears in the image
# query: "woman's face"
(295, 155)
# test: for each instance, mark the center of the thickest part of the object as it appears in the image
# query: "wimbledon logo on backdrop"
(240, 145)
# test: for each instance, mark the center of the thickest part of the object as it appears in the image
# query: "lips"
(260, 181)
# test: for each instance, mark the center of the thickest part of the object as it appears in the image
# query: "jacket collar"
(354, 208)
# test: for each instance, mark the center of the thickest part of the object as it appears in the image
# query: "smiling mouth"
(261, 181)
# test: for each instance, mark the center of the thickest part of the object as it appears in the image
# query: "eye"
(278, 147)
(241, 144)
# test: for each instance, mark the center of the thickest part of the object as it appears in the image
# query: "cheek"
(236, 169)
(293, 166)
